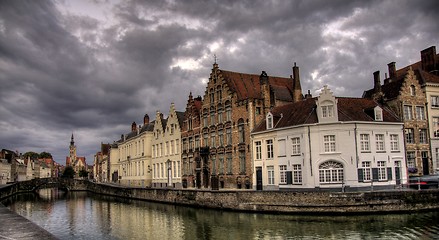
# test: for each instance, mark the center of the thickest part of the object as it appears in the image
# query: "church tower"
(72, 155)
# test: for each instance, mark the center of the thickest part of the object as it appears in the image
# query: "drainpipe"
(310, 151)
(356, 145)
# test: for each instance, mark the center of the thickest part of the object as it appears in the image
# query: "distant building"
(412, 93)
(329, 142)
(78, 163)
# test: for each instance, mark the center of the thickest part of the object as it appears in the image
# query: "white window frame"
(394, 142)
(270, 175)
(367, 171)
(408, 112)
(297, 174)
(420, 112)
(364, 142)
(380, 143)
(282, 174)
(258, 150)
(382, 170)
(327, 111)
(329, 143)
(270, 152)
(295, 146)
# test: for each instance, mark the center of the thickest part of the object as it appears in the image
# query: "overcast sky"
(91, 68)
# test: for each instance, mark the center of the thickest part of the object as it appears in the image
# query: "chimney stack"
(297, 88)
(392, 71)
(133, 127)
(146, 119)
(428, 60)
(376, 82)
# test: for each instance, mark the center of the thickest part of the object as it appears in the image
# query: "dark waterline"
(83, 215)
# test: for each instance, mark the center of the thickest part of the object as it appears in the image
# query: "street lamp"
(169, 172)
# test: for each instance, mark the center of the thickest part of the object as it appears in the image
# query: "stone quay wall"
(285, 201)
(288, 202)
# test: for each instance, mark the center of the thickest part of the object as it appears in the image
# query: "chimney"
(376, 82)
(308, 95)
(263, 78)
(133, 127)
(392, 71)
(428, 60)
(146, 119)
(297, 89)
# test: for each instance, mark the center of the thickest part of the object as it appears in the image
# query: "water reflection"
(81, 215)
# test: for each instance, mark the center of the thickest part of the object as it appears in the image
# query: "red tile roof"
(304, 112)
(247, 86)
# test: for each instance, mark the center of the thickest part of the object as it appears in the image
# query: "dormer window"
(327, 111)
(269, 121)
(378, 112)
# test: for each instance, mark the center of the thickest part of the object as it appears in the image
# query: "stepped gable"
(247, 86)
(304, 112)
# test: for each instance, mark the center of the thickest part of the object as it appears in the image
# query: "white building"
(166, 151)
(329, 143)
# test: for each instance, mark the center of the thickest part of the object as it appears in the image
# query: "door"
(259, 178)
(425, 165)
(398, 172)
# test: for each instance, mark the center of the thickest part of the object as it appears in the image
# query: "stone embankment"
(403, 200)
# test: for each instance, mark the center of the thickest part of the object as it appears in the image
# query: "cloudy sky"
(93, 67)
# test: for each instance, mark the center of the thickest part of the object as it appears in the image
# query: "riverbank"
(14, 226)
(288, 202)
(329, 203)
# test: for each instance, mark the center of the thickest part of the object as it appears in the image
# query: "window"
(205, 124)
(409, 135)
(269, 143)
(213, 157)
(212, 96)
(435, 126)
(283, 174)
(412, 90)
(258, 147)
(270, 174)
(258, 110)
(364, 142)
(269, 121)
(423, 136)
(281, 148)
(205, 139)
(367, 174)
(394, 143)
(228, 111)
(297, 174)
(382, 171)
(177, 146)
(197, 142)
(434, 101)
(212, 117)
(331, 172)
(379, 140)
(220, 113)
(221, 164)
(229, 163)
(191, 143)
(327, 111)
(420, 114)
(171, 147)
(242, 162)
(229, 136)
(212, 139)
(411, 163)
(329, 143)
(378, 114)
(408, 112)
(295, 146)
(220, 138)
(190, 126)
(241, 131)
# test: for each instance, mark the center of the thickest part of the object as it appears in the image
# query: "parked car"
(424, 182)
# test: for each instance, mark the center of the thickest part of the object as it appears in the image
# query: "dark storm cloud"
(65, 71)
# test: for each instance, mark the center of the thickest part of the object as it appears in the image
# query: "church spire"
(72, 142)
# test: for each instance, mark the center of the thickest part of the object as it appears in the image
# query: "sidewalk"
(14, 226)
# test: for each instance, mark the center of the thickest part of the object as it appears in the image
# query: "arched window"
(212, 115)
(219, 93)
(331, 172)
(212, 96)
(412, 90)
(205, 114)
(241, 130)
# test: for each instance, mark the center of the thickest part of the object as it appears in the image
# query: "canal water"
(83, 215)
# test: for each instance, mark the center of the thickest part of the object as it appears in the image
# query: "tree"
(31, 155)
(45, 155)
(83, 173)
(69, 172)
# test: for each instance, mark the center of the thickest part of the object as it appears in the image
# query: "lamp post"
(169, 173)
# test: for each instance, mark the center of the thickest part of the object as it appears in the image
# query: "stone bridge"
(61, 183)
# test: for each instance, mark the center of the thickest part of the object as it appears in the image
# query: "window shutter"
(360, 175)
(389, 173)
(289, 177)
(375, 174)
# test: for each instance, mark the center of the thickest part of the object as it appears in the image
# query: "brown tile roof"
(247, 86)
(304, 112)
